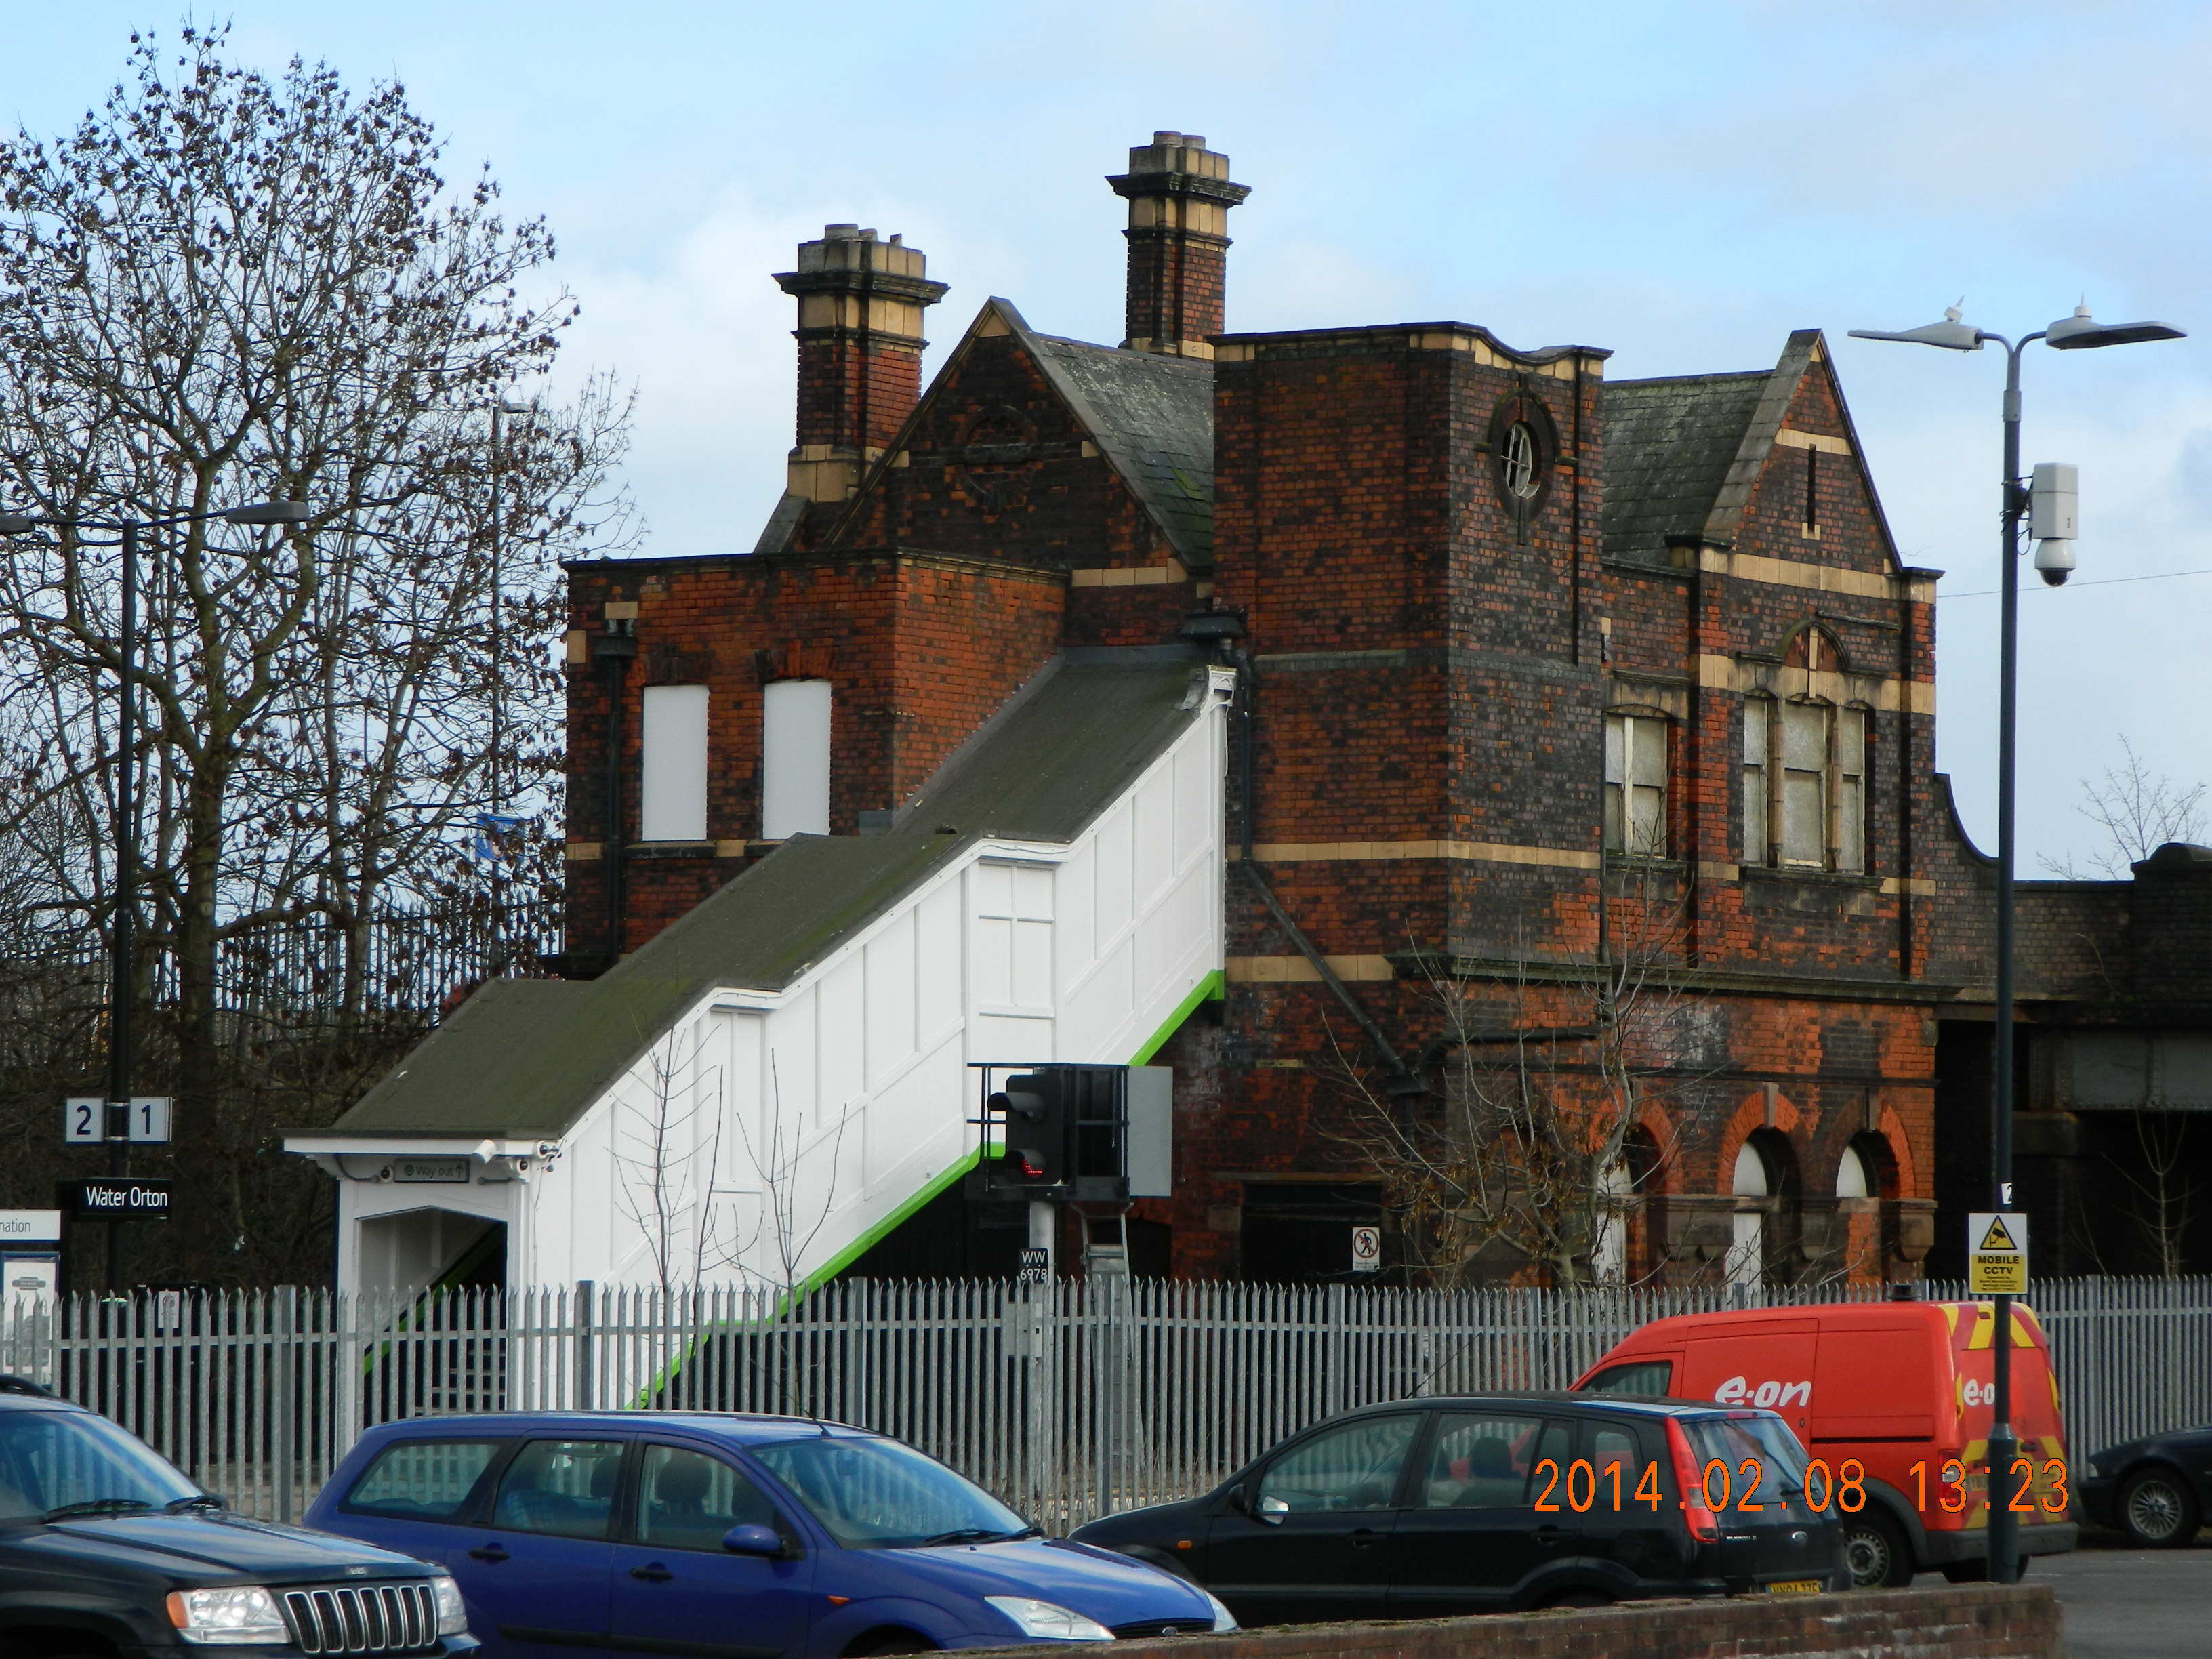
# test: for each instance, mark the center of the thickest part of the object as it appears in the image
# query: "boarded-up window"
(795, 759)
(1805, 783)
(1850, 789)
(1758, 715)
(1636, 785)
(674, 804)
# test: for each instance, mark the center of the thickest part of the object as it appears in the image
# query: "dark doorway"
(1301, 1233)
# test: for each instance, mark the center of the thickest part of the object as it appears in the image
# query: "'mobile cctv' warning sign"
(1996, 1254)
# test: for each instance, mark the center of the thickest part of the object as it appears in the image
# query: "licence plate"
(1797, 1587)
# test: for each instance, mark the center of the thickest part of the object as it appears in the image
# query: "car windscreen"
(1765, 1440)
(874, 1494)
(56, 1460)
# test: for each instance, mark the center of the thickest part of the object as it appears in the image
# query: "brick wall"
(919, 649)
(1975, 1621)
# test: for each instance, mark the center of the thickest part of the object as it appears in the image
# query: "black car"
(1483, 1502)
(2154, 1490)
(107, 1552)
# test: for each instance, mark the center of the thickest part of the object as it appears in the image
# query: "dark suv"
(107, 1552)
(1483, 1502)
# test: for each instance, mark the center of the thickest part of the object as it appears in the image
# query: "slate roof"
(1152, 417)
(527, 1058)
(1683, 453)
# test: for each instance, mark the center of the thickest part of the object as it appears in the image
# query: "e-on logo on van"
(1737, 1392)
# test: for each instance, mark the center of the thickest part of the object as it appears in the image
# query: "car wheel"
(2157, 1510)
(903, 1642)
(1878, 1555)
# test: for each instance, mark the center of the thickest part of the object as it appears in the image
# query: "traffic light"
(1032, 1112)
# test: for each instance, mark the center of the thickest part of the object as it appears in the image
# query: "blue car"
(719, 1536)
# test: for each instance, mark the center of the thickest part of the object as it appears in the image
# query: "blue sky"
(1683, 183)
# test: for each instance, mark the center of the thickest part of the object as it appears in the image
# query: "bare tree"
(668, 1154)
(1528, 1154)
(775, 1248)
(2139, 812)
(224, 288)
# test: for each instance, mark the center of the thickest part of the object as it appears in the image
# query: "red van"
(1894, 1401)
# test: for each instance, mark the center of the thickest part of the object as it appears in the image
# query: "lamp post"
(497, 829)
(121, 928)
(2079, 332)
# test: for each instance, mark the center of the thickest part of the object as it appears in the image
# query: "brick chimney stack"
(860, 353)
(1179, 200)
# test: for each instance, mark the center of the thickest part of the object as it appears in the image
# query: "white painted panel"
(994, 959)
(789, 1069)
(891, 1008)
(1004, 1040)
(672, 799)
(993, 886)
(1197, 808)
(941, 961)
(840, 1025)
(1075, 912)
(1032, 965)
(1155, 835)
(1032, 892)
(795, 758)
(1116, 844)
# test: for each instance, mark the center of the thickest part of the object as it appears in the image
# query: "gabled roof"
(1150, 417)
(527, 1058)
(1683, 453)
(1668, 445)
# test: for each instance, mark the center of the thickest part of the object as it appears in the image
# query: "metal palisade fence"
(1069, 1400)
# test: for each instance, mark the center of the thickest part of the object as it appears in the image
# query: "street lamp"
(126, 809)
(2080, 333)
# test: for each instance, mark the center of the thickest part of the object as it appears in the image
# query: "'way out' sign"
(1996, 1254)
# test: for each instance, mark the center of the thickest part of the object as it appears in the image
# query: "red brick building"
(1539, 676)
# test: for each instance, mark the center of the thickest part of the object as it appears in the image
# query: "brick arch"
(1891, 1129)
(1750, 1117)
(1653, 1120)
(1812, 645)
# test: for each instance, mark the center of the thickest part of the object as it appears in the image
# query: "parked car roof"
(742, 1426)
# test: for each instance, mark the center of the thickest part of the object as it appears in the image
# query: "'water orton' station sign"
(116, 1198)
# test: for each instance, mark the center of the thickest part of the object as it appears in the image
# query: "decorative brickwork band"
(1179, 198)
(859, 352)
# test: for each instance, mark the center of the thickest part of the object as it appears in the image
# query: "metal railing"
(400, 961)
(1070, 1401)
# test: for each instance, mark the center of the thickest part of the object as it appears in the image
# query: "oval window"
(1517, 460)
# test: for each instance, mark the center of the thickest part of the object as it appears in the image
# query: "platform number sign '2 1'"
(84, 1119)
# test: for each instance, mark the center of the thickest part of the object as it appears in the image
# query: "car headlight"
(452, 1613)
(1223, 1618)
(240, 1614)
(1047, 1622)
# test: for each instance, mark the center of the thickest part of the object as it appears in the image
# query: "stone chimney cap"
(848, 234)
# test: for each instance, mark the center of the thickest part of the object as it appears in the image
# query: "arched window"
(1764, 1180)
(1746, 1258)
(794, 759)
(1616, 1192)
(1853, 1178)
(672, 794)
